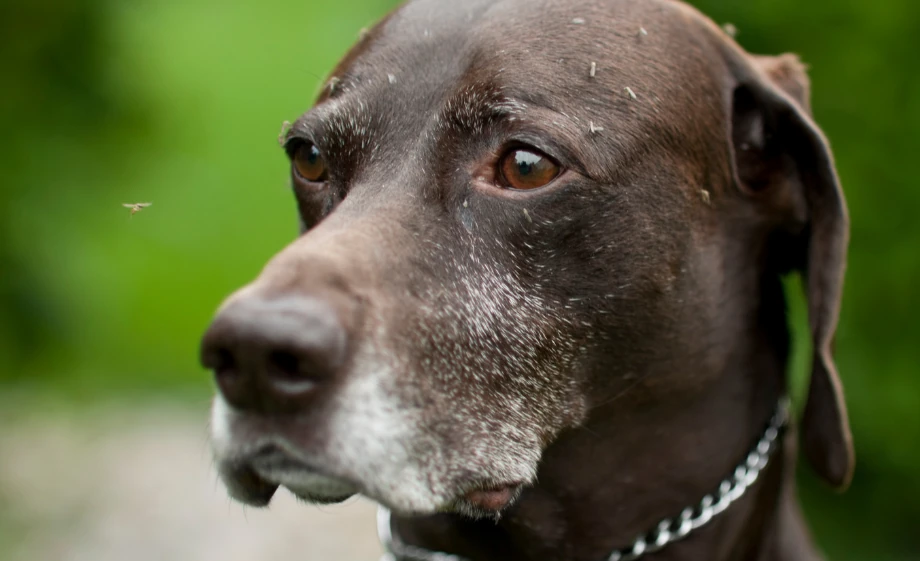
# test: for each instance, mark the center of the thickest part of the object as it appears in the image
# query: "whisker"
(622, 392)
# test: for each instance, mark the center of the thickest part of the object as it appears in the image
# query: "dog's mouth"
(255, 480)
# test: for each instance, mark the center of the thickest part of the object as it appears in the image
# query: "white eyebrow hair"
(476, 105)
(345, 125)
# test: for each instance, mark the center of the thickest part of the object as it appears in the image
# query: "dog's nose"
(268, 355)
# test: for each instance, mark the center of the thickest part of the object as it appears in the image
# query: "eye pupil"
(527, 169)
(526, 161)
(313, 154)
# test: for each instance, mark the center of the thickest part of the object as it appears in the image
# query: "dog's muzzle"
(271, 356)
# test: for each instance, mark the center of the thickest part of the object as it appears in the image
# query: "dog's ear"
(782, 159)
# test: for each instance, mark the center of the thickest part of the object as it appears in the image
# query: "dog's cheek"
(377, 435)
(313, 204)
(503, 358)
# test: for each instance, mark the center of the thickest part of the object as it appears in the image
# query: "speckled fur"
(493, 334)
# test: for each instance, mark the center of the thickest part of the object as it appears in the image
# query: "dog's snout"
(268, 355)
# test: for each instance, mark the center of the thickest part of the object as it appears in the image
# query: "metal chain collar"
(667, 531)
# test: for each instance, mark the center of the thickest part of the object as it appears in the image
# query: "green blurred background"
(180, 103)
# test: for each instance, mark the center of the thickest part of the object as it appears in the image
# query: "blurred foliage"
(180, 103)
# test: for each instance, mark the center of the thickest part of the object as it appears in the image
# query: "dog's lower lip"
(279, 462)
(315, 499)
(246, 486)
(301, 478)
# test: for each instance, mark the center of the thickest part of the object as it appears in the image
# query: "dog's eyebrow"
(341, 128)
(298, 129)
(477, 105)
(332, 115)
(477, 108)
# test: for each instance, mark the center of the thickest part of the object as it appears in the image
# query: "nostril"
(269, 354)
(214, 355)
(288, 372)
(224, 364)
(284, 364)
(226, 372)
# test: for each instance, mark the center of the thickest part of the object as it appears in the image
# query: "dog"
(536, 308)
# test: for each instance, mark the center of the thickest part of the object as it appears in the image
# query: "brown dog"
(537, 310)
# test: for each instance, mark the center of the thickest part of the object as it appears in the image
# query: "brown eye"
(309, 164)
(527, 169)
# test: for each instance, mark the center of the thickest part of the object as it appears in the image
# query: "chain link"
(730, 490)
(666, 532)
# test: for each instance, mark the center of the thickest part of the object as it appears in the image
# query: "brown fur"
(625, 325)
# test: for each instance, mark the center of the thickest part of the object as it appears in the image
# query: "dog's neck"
(600, 486)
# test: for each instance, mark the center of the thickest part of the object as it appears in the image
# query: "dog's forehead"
(643, 62)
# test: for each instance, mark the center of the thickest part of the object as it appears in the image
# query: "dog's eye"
(527, 169)
(309, 164)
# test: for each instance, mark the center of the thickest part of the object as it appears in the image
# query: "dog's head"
(511, 212)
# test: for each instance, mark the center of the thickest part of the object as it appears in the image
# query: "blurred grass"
(204, 87)
(180, 103)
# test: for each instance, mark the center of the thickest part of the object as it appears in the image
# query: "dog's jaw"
(378, 448)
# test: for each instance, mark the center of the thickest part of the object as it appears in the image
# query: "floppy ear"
(782, 157)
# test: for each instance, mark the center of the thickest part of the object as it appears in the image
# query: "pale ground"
(136, 484)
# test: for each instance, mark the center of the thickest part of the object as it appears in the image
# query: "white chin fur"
(384, 445)
(378, 443)
(221, 413)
